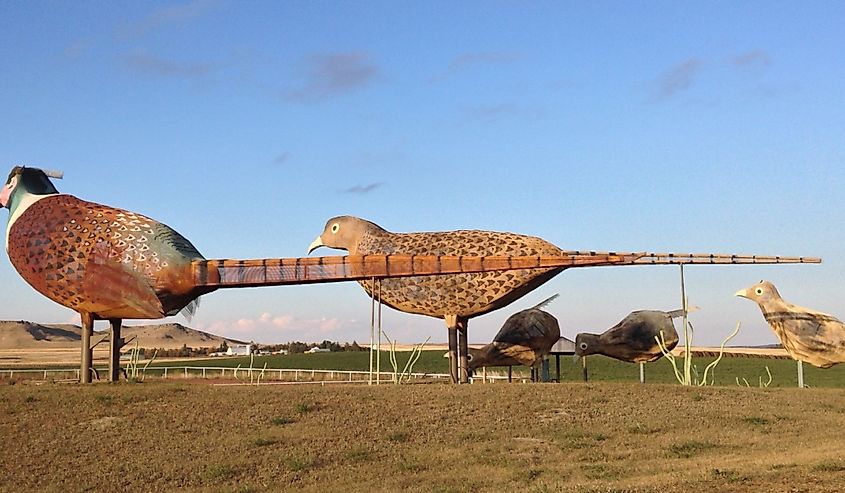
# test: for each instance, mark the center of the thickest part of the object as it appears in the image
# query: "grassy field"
(600, 368)
(536, 438)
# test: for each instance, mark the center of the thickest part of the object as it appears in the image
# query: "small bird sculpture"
(807, 335)
(632, 339)
(110, 264)
(524, 339)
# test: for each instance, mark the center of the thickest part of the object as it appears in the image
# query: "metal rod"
(372, 329)
(378, 345)
(800, 374)
(87, 356)
(114, 349)
(687, 341)
(453, 353)
(463, 360)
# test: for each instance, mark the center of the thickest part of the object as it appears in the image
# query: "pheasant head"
(344, 233)
(24, 181)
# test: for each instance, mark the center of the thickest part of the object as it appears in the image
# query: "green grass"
(601, 369)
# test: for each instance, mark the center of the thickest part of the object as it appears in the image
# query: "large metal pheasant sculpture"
(453, 298)
(110, 264)
(457, 298)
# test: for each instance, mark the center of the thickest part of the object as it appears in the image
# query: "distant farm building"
(318, 350)
(240, 350)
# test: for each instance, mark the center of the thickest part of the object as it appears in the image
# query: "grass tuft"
(728, 475)
(263, 442)
(360, 454)
(296, 464)
(399, 436)
(220, 472)
(829, 466)
(282, 420)
(688, 449)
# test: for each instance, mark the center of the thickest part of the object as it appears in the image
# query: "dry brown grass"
(436, 438)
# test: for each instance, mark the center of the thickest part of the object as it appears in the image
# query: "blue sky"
(661, 126)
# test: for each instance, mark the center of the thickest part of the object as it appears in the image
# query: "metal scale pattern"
(101, 260)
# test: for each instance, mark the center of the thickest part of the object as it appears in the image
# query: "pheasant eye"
(335, 227)
(759, 291)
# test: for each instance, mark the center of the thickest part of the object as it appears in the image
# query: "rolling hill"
(30, 335)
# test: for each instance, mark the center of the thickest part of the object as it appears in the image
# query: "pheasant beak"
(742, 292)
(317, 243)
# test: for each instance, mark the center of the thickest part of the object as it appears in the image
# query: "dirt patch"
(169, 436)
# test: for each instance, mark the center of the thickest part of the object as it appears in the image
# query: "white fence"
(242, 374)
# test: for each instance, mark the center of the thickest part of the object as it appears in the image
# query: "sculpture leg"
(453, 353)
(115, 343)
(463, 359)
(87, 329)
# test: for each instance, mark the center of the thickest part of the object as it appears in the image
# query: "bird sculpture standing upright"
(807, 335)
(455, 298)
(525, 338)
(633, 339)
(111, 264)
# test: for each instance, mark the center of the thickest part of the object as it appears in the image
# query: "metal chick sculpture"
(111, 264)
(524, 339)
(634, 338)
(807, 335)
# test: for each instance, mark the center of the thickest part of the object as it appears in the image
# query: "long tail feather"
(648, 258)
(223, 273)
(306, 270)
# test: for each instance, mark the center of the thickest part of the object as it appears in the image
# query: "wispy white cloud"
(469, 60)
(331, 74)
(499, 111)
(281, 158)
(172, 14)
(753, 58)
(678, 78)
(363, 189)
(268, 327)
(76, 49)
(152, 65)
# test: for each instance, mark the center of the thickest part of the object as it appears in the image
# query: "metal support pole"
(115, 343)
(87, 353)
(463, 360)
(453, 353)
(687, 334)
(584, 367)
(372, 329)
(378, 344)
(800, 374)
(642, 372)
(557, 366)
(510, 374)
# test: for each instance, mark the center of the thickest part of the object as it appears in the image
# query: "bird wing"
(508, 354)
(466, 295)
